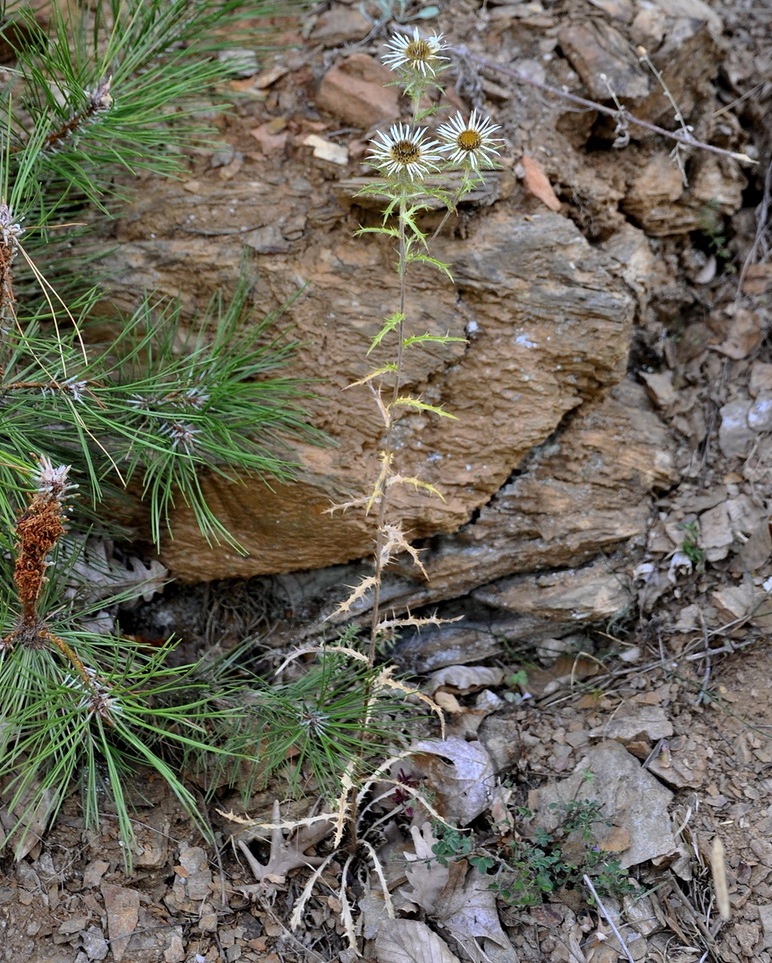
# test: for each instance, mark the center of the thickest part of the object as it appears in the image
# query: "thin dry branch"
(681, 137)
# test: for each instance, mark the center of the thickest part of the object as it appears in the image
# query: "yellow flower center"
(405, 152)
(469, 140)
(417, 51)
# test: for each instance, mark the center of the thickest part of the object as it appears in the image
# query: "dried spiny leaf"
(344, 506)
(419, 798)
(377, 866)
(346, 916)
(395, 543)
(358, 591)
(297, 912)
(381, 482)
(321, 650)
(344, 802)
(416, 483)
(386, 369)
(419, 623)
(385, 413)
(384, 680)
(283, 824)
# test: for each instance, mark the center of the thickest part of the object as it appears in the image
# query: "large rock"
(547, 317)
(577, 497)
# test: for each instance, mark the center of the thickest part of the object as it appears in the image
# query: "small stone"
(643, 720)
(761, 378)
(122, 906)
(340, 26)
(73, 925)
(765, 914)
(760, 412)
(93, 873)
(735, 436)
(354, 91)
(242, 62)
(94, 943)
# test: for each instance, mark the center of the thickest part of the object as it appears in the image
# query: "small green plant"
(558, 858)
(712, 228)
(690, 544)
(578, 815)
(529, 869)
(452, 844)
(530, 873)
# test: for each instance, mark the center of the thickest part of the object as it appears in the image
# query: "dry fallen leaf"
(464, 678)
(97, 570)
(535, 181)
(465, 905)
(286, 853)
(456, 896)
(425, 874)
(26, 824)
(410, 941)
(460, 773)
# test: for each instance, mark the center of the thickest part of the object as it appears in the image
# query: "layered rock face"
(546, 320)
(553, 455)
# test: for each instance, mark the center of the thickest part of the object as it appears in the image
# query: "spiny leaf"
(388, 231)
(386, 369)
(440, 265)
(410, 402)
(358, 592)
(385, 681)
(416, 483)
(395, 543)
(425, 338)
(388, 325)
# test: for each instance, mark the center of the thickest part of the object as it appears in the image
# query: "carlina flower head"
(416, 54)
(404, 152)
(469, 143)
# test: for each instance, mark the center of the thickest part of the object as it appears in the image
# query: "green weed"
(530, 868)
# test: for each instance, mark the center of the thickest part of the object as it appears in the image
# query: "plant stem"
(389, 439)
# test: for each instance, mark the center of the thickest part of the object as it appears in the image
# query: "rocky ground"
(613, 560)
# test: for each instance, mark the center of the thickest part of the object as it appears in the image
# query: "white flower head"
(403, 151)
(416, 54)
(469, 143)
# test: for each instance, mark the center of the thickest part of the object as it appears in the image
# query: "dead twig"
(763, 222)
(606, 915)
(681, 137)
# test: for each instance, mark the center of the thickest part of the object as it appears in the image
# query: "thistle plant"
(347, 732)
(415, 166)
